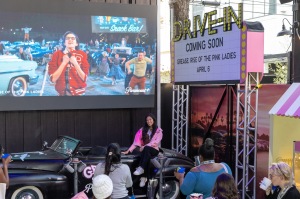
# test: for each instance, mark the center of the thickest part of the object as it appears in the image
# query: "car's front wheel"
(17, 86)
(27, 192)
(170, 190)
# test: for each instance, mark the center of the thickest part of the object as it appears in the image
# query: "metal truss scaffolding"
(246, 136)
(246, 130)
(180, 115)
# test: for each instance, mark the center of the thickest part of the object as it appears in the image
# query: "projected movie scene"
(76, 55)
(106, 45)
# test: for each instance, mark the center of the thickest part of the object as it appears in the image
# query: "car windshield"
(64, 145)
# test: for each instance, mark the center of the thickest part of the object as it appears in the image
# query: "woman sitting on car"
(148, 140)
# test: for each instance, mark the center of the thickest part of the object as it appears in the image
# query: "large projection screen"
(38, 26)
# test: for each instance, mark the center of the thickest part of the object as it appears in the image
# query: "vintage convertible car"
(66, 168)
(15, 75)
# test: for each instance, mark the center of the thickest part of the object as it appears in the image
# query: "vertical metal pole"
(237, 147)
(296, 44)
(181, 111)
(75, 162)
(294, 145)
(187, 119)
(173, 94)
(161, 161)
(173, 122)
(177, 118)
(158, 105)
(245, 169)
(255, 134)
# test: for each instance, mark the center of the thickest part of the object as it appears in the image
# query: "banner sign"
(224, 52)
(114, 24)
(209, 58)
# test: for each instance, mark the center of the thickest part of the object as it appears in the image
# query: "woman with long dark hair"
(118, 172)
(148, 140)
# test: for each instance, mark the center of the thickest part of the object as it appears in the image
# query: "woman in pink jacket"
(148, 140)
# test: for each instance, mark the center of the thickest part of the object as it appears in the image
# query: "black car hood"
(38, 155)
(170, 153)
(47, 160)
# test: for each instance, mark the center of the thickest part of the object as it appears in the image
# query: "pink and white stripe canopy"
(289, 103)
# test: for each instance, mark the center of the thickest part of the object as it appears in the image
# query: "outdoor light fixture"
(210, 3)
(285, 1)
(205, 3)
(284, 31)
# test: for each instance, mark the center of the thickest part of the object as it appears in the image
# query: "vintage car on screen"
(51, 172)
(15, 75)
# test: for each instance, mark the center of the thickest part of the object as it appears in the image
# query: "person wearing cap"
(102, 187)
(119, 173)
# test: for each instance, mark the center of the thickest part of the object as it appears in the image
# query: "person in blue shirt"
(201, 179)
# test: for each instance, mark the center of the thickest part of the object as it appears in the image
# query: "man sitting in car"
(24, 55)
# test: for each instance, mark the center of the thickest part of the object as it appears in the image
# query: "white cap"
(102, 186)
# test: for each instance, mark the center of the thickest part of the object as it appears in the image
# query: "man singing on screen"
(139, 74)
(69, 68)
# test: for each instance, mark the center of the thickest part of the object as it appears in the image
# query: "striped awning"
(289, 103)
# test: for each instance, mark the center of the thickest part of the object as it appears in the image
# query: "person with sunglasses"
(69, 67)
(282, 180)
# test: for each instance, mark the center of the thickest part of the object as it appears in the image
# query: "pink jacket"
(154, 142)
